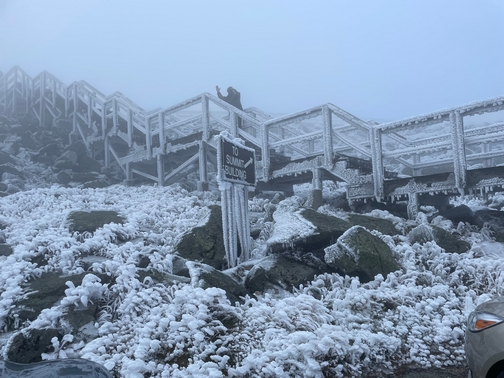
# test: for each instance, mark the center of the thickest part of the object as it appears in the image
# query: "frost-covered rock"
(49, 289)
(205, 242)
(457, 214)
(66, 161)
(28, 346)
(279, 271)
(359, 253)
(5, 249)
(383, 226)
(492, 221)
(421, 234)
(205, 276)
(424, 233)
(90, 221)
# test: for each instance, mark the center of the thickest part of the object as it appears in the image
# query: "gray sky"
(380, 59)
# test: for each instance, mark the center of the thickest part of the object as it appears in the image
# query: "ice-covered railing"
(450, 140)
(306, 142)
(99, 118)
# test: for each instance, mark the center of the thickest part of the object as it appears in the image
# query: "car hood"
(494, 306)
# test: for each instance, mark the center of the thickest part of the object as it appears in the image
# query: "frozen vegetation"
(333, 326)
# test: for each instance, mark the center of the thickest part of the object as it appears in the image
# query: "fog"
(381, 60)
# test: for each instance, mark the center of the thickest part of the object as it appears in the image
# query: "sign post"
(236, 173)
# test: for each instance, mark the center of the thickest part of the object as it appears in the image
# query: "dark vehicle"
(484, 340)
(72, 368)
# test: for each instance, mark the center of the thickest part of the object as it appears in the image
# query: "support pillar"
(265, 152)
(317, 200)
(162, 138)
(412, 206)
(106, 152)
(160, 169)
(459, 155)
(377, 162)
(203, 172)
(328, 140)
(205, 117)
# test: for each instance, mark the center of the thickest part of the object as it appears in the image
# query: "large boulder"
(147, 272)
(457, 214)
(10, 168)
(492, 222)
(205, 276)
(81, 321)
(360, 253)
(327, 229)
(45, 292)
(424, 233)
(87, 164)
(383, 226)
(280, 271)
(5, 249)
(67, 160)
(205, 243)
(90, 221)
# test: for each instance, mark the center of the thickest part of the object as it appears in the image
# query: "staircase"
(429, 154)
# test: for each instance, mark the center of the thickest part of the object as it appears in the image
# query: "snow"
(334, 323)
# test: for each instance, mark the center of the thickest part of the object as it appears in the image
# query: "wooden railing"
(438, 141)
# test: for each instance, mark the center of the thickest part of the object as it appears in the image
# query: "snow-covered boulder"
(204, 276)
(5, 249)
(205, 242)
(360, 253)
(27, 346)
(48, 290)
(492, 221)
(279, 271)
(457, 214)
(424, 233)
(66, 160)
(90, 221)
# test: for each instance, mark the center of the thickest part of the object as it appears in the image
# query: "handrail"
(121, 116)
(443, 114)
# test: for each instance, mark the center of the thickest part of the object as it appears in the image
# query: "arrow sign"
(237, 163)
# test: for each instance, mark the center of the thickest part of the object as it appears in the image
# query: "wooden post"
(75, 118)
(458, 146)
(328, 140)
(162, 141)
(205, 113)
(130, 127)
(203, 172)
(375, 136)
(317, 189)
(106, 151)
(265, 152)
(160, 169)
